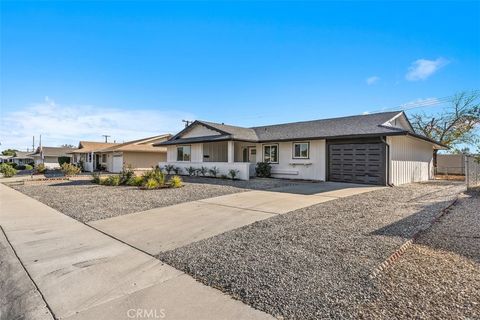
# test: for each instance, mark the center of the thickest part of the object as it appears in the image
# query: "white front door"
(117, 163)
(252, 154)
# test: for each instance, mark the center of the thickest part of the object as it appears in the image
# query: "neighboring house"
(379, 148)
(139, 154)
(88, 154)
(451, 164)
(22, 158)
(4, 159)
(49, 156)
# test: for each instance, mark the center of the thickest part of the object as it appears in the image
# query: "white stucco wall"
(410, 160)
(287, 167)
(200, 131)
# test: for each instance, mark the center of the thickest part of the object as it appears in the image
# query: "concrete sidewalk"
(84, 274)
(162, 229)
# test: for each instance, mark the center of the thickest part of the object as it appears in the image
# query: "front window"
(89, 159)
(301, 150)
(270, 153)
(183, 153)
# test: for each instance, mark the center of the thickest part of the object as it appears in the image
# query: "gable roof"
(140, 145)
(376, 124)
(92, 146)
(22, 155)
(53, 151)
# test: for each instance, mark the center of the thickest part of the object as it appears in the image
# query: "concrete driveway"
(167, 228)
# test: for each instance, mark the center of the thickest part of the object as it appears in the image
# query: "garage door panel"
(357, 162)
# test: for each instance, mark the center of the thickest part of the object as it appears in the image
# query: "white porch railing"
(245, 169)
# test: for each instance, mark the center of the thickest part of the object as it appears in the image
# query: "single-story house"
(22, 158)
(4, 159)
(88, 155)
(49, 156)
(139, 154)
(380, 148)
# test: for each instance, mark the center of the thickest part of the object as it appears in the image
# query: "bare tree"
(67, 146)
(453, 126)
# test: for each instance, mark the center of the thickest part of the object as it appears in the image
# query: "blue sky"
(76, 70)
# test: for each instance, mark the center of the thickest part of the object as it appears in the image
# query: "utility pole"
(106, 137)
(33, 143)
(187, 122)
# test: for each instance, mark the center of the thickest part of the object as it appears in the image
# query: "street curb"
(401, 250)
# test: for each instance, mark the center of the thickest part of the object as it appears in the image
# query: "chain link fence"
(472, 172)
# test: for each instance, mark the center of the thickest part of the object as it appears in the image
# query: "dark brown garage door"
(357, 162)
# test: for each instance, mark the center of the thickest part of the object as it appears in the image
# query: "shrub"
(111, 180)
(7, 170)
(126, 174)
(20, 167)
(28, 167)
(151, 183)
(224, 176)
(191, 171)
(203, 171)
(232, 173)
(169, 168)
(62, 160)
(69, 169)
(263, 169)
(40, 168)
(12, 164)
(96, 178)
(155, 174)
(176, 182)
(214, 172)
(177, 170)
(136, 181)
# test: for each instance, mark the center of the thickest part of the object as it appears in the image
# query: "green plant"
(69, 169)
(224, 176)
(169, 168)
(263, 169)
(111, 180)
(175, 182)
(155, 174)
(28, 167)
(20, 167)
(96, 178)
(40, 168)
(126, 174)
(80, 164)
(151, 183)
(232, 173)
(7, 170)
(12, 164)
(214, 172)
(177, 170)
(191, 171)
(62, 160)
(136, 181)
(203, 171)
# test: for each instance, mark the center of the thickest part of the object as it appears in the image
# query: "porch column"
(231, 151)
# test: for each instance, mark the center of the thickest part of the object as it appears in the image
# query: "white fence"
(472, 172)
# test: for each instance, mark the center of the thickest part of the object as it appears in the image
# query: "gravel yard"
(85, 201)
(315, 262)
(439, 276)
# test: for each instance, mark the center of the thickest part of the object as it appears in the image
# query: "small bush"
(263, 169)
(191, 171)
(203, 171)
(69, 169)
(126, 174)
(111, 181)
(155, 174)
(177, 170)
(135, 181)
(28, 167)
(40, 168)
(151, 183)
(176, 182)
(214, 172)
(96, 178)
(7, 170)
(12, 164)
(224, 176)
(233, 173)
(169, 168)
(20, 167)
(62, 160)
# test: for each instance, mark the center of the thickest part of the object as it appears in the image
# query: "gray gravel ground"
(314, 262)
(439, 276)
(85, 201)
